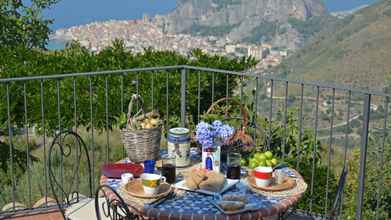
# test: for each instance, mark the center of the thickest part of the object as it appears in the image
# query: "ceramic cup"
(151, 182)
(126, 177)
(263, 176)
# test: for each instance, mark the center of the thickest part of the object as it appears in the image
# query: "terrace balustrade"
(341, 119)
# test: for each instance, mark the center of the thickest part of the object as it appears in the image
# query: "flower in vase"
(209, 135)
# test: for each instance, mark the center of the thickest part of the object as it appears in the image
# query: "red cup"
(263, 176)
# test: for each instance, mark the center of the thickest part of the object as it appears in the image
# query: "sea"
(56, 45)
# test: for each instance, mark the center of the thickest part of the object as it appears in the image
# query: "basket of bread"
(141, 133)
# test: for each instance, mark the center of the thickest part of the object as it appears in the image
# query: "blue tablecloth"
(192, 202)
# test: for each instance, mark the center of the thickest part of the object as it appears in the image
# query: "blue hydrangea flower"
(209, 135)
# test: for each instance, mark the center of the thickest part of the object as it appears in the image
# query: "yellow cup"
(151, 182)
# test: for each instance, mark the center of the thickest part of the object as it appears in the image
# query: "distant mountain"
(271, 21)
(356, 51)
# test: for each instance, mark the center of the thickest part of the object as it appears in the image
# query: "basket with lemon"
(141, 132)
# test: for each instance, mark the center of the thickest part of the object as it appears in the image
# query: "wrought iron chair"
(68, 144)
(335, 210)
(113, 205)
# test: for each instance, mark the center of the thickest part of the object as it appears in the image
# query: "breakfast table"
(181, 204)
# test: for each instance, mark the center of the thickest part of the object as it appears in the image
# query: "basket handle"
(243, 109)
(135, 98)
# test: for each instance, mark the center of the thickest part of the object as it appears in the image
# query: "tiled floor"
(48, 215)
(84, 210)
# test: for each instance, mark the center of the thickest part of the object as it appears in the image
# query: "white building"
(255, 52)
(230, 48)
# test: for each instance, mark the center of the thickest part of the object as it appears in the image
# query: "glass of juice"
(233, 166)
(169, 168)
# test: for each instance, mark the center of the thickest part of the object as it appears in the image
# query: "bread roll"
(214, 182)
(194, 178)
(190, 183)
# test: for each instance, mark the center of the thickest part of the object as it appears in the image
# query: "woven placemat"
(134, 200)
(299, 189)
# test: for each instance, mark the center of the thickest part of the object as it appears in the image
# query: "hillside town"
(138, 35)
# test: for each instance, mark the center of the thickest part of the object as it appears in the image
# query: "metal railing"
(43, 102)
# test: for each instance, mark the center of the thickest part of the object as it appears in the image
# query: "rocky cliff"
(242, 19)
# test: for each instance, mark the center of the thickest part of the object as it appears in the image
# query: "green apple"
(274, 161)
(262, 163)
(269, 155)
(260, 156)
(253, 163)
(256, 154)
(269, 163)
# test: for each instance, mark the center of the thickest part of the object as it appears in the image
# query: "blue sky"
(73, 12)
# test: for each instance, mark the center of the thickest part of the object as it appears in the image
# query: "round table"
(192, 205)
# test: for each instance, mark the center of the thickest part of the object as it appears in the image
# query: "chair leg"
(286, 214)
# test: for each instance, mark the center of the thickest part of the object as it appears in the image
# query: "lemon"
(154, 122)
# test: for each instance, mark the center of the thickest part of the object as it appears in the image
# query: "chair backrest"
(334, 212)
(113, 206)
(66, 154)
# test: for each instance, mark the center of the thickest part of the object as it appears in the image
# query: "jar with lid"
(178, 145)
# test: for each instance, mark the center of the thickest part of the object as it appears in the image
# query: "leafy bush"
(22, 24)
(78, 59)
(374, 174)
(305, 155)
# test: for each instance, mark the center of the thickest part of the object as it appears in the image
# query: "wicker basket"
(140, 144)
(240, 137)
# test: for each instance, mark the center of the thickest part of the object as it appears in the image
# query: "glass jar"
(178, 145)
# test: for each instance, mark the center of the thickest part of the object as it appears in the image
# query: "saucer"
(287, 184)
(135, 188)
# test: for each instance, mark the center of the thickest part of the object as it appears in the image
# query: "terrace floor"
(47, 215)
(83, 210)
